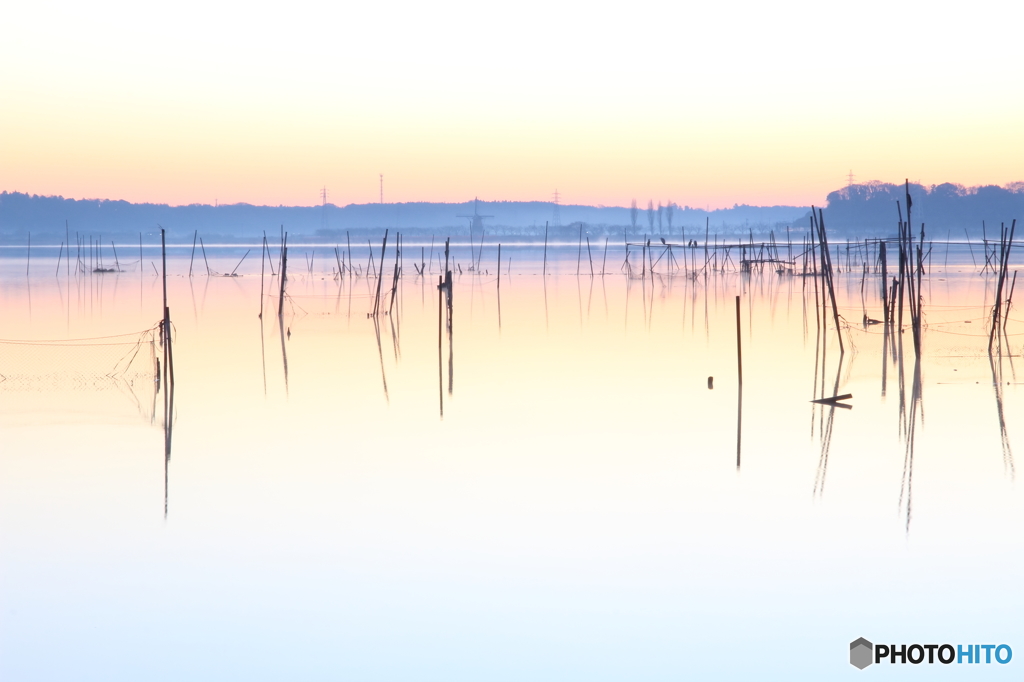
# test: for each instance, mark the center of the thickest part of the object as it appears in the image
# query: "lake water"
(555, 494)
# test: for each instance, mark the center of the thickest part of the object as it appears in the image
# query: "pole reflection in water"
(440, 333)
(380, 356)
(284, 351)
(739, 386)
(907, 480)
(996, 364)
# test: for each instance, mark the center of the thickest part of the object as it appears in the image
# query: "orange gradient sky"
(705, 106)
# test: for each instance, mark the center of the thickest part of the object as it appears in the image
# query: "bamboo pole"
(380, 275)
(206, 262)
(545, 269)
(240, 262)
(1009, 300)
(827, 262)
(284, 276)
(394, 284)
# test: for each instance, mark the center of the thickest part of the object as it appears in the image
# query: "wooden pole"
(270, 259)
(545, 270)
(284, 274)
(380, 274)
(203, 247)
(394, 284)
(499, 265)
(195, 236)
(163, 257)
(169, 361)
(239, 262)
(827, 259)
(1009, 300)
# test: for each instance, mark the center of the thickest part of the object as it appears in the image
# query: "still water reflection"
(536, 482)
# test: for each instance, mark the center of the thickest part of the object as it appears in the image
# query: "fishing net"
(106, 379)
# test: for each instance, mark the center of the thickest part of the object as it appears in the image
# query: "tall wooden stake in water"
(284, 274)
(380, 275)
(545, 270)
(263, 260)
(169, 358)
(163, 257)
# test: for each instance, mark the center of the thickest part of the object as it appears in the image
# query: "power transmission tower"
(381, 188)
(849, 178)
(556, 217)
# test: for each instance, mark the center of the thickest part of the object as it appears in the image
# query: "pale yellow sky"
(738, 103)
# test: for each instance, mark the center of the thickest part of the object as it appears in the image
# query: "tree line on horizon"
(866, 209)
(870, 208)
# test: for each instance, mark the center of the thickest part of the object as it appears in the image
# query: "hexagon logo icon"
(861, 653)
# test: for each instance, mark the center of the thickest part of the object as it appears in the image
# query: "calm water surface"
(557, 494)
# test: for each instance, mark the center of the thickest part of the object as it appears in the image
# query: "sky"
(706, 104)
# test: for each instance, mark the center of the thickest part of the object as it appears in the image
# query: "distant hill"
(45, 218)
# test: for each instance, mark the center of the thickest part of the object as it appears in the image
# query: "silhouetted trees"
(870, 208)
